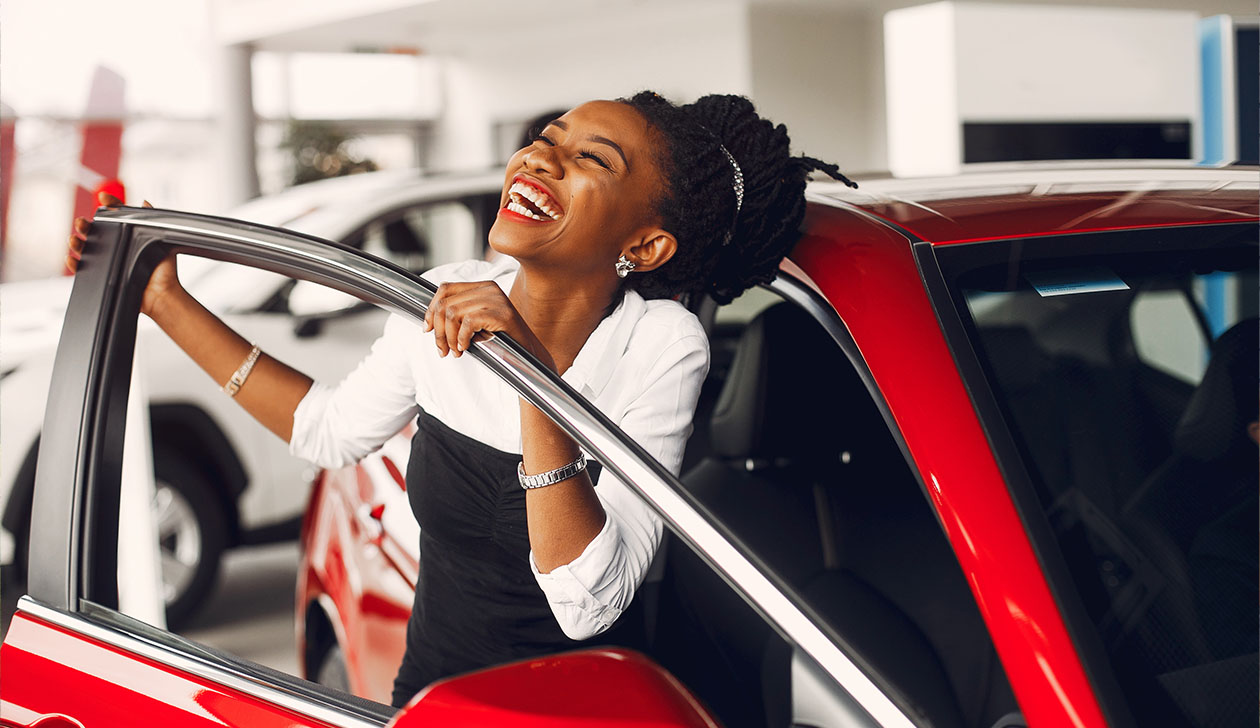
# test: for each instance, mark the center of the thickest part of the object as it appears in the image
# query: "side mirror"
(597, 687)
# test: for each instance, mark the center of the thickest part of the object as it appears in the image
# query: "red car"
(980, 456)
(983, 372)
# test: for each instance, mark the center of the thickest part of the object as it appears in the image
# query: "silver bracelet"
(551, 477)
(238, 378)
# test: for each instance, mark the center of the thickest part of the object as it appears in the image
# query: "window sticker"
(1067, 281)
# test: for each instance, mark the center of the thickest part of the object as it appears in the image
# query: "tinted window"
(1134, 416)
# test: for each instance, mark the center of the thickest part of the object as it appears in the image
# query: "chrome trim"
(594, 432)
(196, 666)
(289, 251)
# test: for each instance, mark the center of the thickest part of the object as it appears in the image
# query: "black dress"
(477, 603)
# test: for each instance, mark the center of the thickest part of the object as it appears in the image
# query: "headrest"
(786, 392)
(1214, 425)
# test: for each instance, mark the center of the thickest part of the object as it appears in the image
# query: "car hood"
(31, 313)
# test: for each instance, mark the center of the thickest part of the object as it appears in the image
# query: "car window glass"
(227, 498)
(423, 236)
(224, 286)
(1137, 435)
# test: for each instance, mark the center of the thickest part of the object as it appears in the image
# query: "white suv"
(221, 479)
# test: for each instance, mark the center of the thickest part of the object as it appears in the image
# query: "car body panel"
(51, 671)
(963, 209)
(524, 698)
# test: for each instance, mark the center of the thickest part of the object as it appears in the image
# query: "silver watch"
(551, 477)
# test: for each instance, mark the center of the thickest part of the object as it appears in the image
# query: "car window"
(210, 485)
(227, 498)
(1136, 431)
(792, 454)
(416, 238)
(423, 236)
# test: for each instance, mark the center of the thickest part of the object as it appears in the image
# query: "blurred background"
(206, 105)
(203, 104)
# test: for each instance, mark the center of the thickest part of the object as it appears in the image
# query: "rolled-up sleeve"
(590, 593)
(337, 426)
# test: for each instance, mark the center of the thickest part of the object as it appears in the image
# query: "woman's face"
(582, 192)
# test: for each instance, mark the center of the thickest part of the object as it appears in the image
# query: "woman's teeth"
(530, 202)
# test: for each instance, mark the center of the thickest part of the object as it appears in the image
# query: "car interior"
(1147, 476)
(792, 455)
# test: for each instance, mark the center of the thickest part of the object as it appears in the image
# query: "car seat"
(803, 470)
(1194, 522)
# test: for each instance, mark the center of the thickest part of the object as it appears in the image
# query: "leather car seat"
(786, 435)
(1194, 521)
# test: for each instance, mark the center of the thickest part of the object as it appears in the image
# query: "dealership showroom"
(768, 363)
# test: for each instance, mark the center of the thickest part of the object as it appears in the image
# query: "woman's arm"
(589, 593)
(272, 390)
(563, 518)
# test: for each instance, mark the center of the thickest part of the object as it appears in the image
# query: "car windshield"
(1124, 367)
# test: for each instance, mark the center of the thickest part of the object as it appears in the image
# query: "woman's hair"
(720, 252)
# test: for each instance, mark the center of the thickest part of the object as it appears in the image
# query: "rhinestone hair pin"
(737, 185)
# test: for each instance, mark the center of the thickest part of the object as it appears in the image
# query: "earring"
(623, 266)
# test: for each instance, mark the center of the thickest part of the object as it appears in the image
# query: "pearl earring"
(623, 266)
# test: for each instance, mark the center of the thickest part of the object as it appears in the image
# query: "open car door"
(71, 658)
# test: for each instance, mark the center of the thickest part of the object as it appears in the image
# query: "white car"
(221, 479)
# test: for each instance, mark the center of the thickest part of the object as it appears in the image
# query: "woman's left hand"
(460, 310)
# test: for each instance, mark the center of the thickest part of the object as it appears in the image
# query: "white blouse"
(642, 367)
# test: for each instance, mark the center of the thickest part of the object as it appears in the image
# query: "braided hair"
(723, 251)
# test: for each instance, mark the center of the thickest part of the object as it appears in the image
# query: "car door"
(71, 658)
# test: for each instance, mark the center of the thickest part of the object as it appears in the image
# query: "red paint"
(973, 218)
(584, 688)
(50, 670)
(362, 576)
(102, 152)
(1110, 229)
(868, 274)
(394, 472)
(7, 126)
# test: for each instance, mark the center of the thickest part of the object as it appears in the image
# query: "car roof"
(1013, 202)
(334, 208)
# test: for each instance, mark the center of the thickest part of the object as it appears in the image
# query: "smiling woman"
(614, 210)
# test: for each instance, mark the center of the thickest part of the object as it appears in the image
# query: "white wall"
(949, 63)
(819, 70)
(681, 51)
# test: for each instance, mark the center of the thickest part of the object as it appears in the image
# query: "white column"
(237, 124)
(464, 134)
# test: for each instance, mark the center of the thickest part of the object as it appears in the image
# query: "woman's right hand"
(161, 282)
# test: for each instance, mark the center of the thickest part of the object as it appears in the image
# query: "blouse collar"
(598, 357)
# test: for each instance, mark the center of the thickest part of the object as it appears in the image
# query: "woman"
(614, 208)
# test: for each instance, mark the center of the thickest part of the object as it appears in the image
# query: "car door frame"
(79, 471)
